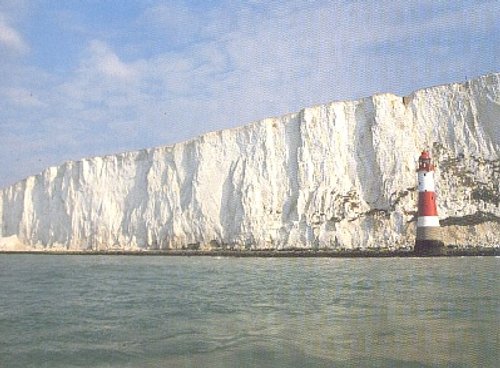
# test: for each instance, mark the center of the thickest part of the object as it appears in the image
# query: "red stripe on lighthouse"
(427, 204)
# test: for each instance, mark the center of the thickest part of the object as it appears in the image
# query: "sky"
(95, 77)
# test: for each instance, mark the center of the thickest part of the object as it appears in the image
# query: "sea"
(172, 311)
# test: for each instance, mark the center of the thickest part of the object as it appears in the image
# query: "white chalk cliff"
(338, 175)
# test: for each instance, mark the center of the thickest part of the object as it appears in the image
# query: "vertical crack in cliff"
(136, 200)
(369, 175)
(232, 211)
(293, 142)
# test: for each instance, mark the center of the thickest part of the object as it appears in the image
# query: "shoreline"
(471, 252)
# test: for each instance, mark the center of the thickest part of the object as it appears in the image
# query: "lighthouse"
(428, 241)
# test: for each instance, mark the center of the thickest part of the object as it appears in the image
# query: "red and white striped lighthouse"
(429, 240)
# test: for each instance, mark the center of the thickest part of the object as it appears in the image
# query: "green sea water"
(126, 311)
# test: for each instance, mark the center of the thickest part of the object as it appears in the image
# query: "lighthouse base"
(429, 248)
(429, 242)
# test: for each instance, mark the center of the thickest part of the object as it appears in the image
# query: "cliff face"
(339, 175)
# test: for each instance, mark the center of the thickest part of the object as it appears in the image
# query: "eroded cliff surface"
(339, 175)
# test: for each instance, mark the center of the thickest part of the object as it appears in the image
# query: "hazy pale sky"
(86, 78)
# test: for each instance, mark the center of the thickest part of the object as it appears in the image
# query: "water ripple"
(159, 311)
